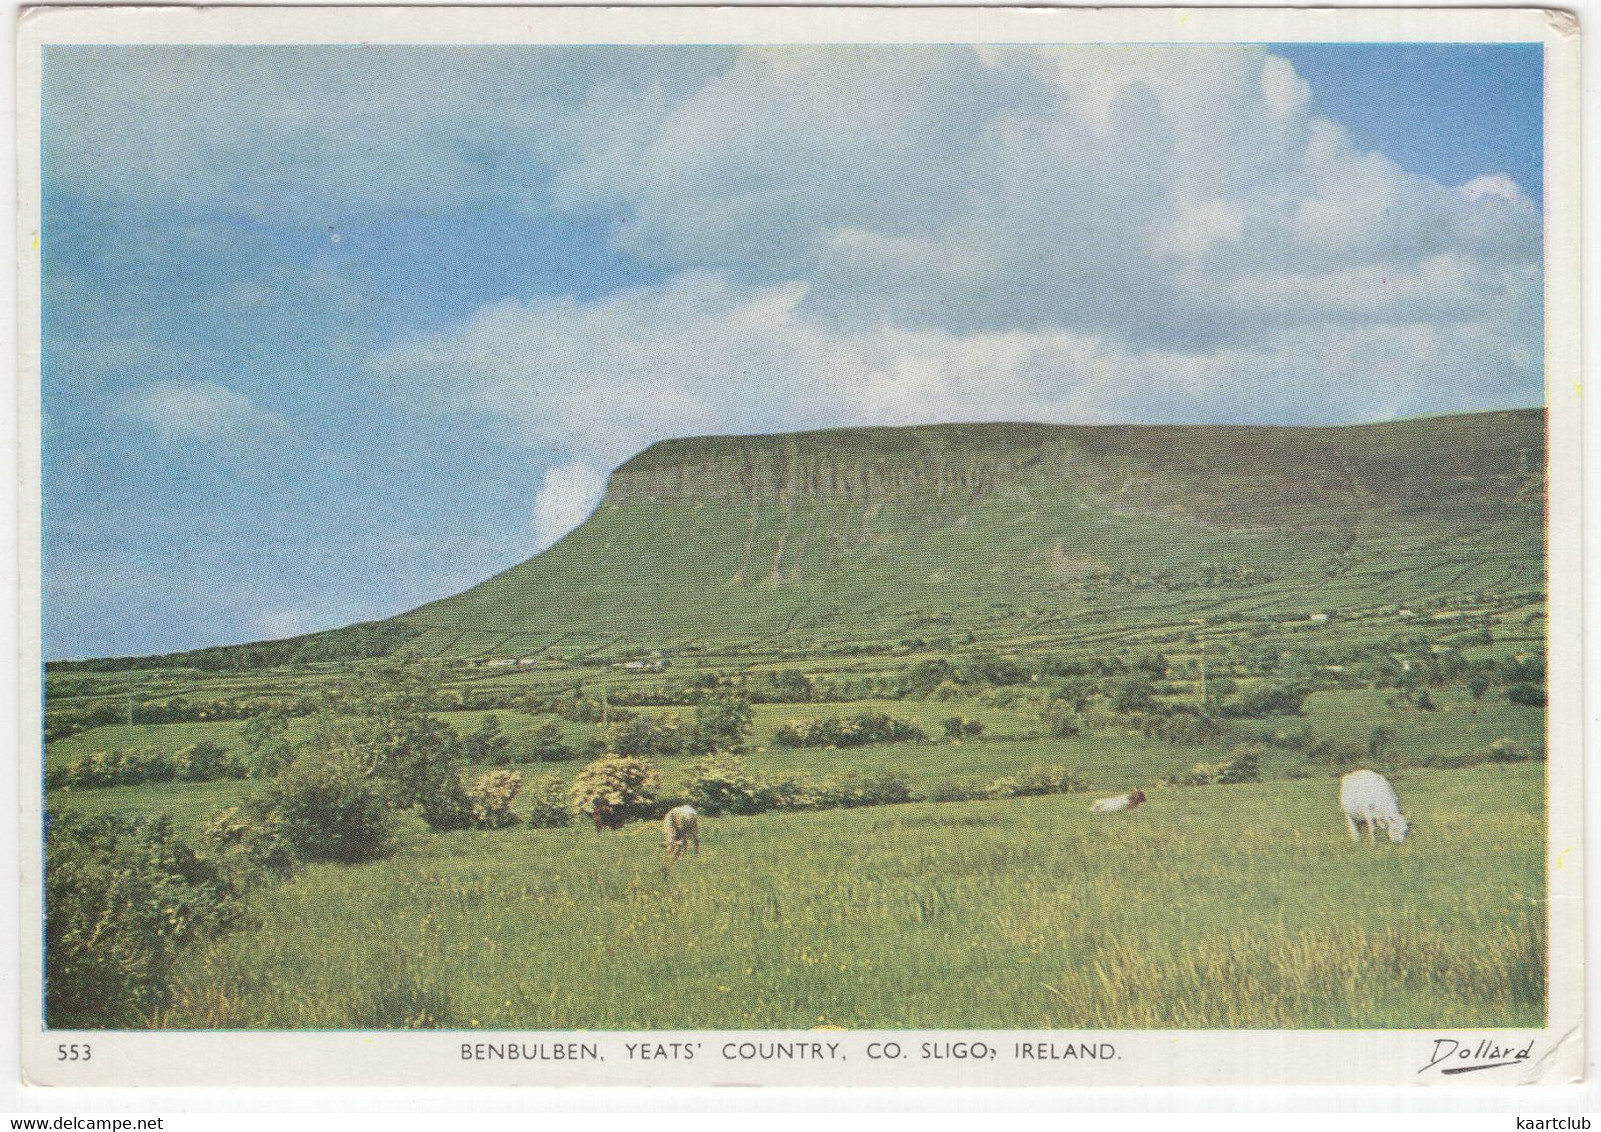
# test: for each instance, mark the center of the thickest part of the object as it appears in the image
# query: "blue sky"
(358, 327)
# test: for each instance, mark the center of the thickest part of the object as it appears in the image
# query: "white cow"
(1121, 802)
(1368, 799)
(680, 827)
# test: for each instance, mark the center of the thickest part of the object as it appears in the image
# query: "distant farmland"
(1227, 618)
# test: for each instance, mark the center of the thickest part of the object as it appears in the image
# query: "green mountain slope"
(854, 534)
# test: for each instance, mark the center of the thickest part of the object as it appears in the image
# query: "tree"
(726, 786)
(418, 757)
(487, 744)
(1061, 720)
(1378, 739)
(1153, 665)
(1478, 684)
(1076, 693)
(267, 746)
(658, 736)
(491, 798)
(952, 727)
(545, 743)
(926, 675)
(1527, 695)
(1136, 693)
(723, 722)
(326, 807)
(1268, 699)
(627, 785)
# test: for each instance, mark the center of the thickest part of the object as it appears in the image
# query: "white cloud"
(701, 355)
(1093, 234)
(566, 498)
(314, 134)
(1285, 92)
(869, 234)
(1110, 190)
(202, 411)
(1495, 185)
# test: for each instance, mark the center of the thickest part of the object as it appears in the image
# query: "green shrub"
(1526, 695)
(415, 756)
(966, 791)
(208, 762)
(726, 785)
(486, 746)
(884, 788)
(491, 798)
(250, 844)
(790, 792)
(1061, 721)
(1503, 750)
(1454, 760)
(326, 809)
(1051, 780)
(267, 749)
(549, 803)
(649, 736)
(447, 808)
(123, 897)
(1136, 693)
(1038, 780)
(1243, 767)
(1268, 699)
(849, 731)
(721, 723)
(628, 785)
(545, 745)
(1506, 751)
(115, 768)
(1336, 753)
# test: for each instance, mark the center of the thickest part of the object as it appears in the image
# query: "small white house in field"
(1318, 617)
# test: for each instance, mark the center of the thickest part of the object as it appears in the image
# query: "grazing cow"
(680, 827)
(1121, 802)
(1368, 799)
(606, 817)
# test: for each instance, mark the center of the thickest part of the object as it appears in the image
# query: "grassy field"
(1393, 575)
(1243, 906)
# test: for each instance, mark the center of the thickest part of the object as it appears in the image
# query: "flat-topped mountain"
(864, 530)
(820, 539)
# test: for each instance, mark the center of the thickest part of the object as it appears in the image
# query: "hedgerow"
(848, 731)
(200, 762)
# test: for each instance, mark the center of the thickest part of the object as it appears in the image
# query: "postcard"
(800, 547)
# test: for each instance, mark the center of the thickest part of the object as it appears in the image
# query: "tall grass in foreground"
(1240, 906)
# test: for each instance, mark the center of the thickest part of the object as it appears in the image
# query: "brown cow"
(607, 818)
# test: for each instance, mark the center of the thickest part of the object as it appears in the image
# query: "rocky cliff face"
(1238, 474)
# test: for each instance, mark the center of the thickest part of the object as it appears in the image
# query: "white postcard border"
(1385, 1058)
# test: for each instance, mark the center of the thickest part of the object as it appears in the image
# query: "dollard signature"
(1487, 1053)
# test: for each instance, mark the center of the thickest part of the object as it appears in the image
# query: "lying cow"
(1121, 802)
(1368, 799)
(680, 827)
(606, 818)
